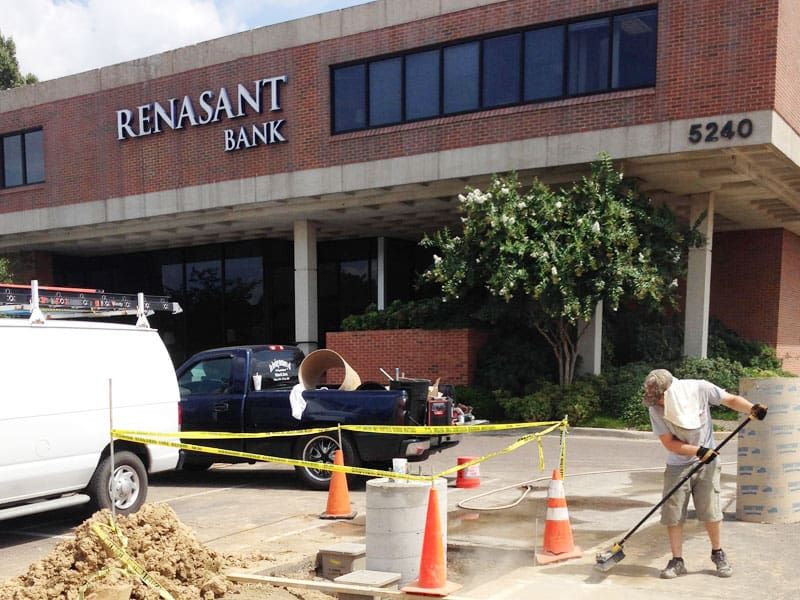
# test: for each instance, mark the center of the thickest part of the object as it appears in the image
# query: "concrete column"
(698, 280)
(381, 273)
(590, 343)
(305, 286)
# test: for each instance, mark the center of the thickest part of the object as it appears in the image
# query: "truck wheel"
(321, 448)
(126, 489)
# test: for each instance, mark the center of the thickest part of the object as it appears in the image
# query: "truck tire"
(129, 483)
(321, 448)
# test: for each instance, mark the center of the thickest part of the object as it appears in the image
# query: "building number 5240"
(711, 131)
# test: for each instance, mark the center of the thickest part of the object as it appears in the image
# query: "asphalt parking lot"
(612, 482)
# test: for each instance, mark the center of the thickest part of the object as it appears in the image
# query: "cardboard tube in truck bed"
(315, 364)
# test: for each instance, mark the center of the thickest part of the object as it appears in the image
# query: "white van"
(54, 414)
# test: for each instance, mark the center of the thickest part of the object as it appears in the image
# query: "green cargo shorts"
(703, 487)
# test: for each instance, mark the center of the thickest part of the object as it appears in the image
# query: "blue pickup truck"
(217, 394)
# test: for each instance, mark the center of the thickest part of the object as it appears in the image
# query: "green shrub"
(623, 394)
(580, 402)
(623, 397)
(428, 313)
(720, 371)
(726, 343)
(636, 416)
(537, 406)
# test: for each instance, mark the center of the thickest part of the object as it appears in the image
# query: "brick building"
(276, 180)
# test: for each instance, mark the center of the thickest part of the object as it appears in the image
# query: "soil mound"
(153, 537)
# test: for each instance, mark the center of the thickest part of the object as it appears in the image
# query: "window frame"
(23, 155)
(565, 78)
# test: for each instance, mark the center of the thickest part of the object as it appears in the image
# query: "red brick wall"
(787, 63)
(715, 56)
(788, 345)
(746, 282)
(419, 353)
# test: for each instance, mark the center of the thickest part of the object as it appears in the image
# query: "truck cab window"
(211, 376)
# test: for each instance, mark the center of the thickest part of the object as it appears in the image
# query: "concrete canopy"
(755, 181)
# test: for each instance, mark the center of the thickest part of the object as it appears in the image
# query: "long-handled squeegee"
(606, 560)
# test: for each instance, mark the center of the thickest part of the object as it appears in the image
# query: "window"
(634, 57)
(501, 70)
(460, 77)
(23, 158)
(385, 92)
(544, 63)
(350, 94)
(586, 56)
(211, 376)
(422, 85)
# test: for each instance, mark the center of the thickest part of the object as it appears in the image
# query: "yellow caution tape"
(130, 564)
(536, 436)
(388, 429)
(212, 435)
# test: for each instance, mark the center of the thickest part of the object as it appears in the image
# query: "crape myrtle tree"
(561, 251)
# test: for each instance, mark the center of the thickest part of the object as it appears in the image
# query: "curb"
(619, 433)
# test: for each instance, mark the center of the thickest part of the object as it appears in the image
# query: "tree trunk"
(561, 338)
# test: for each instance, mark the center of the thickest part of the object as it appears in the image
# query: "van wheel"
(321, 448)
(126, 489)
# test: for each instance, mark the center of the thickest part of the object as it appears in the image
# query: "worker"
(680, 415)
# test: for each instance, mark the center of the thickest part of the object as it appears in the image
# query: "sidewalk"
(765, 557)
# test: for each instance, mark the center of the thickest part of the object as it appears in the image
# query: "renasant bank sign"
(211, 107)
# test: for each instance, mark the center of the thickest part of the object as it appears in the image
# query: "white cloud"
(60, 37)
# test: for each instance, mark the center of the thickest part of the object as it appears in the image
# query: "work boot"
(724, 569)
(674, 568)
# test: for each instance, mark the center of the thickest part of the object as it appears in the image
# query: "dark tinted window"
(350, 97)
(634, 58)
(277, 367)
(34, 157)
(385, 91)
(204, 298)
(461, 77)
(213, 376)
(583, 57)
(501, 70)
(422, 85)
(544, 63)
(245, 321)
(588, 56)
(12, 160)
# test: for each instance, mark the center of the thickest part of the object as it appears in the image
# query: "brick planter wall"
(449, 354)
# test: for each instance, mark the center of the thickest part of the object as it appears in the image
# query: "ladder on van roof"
(47, 302)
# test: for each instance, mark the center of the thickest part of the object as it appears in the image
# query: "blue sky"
(55, 38)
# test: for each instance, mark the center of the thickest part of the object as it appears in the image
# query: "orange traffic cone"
(432, 569)
(558, 544)
(338, 496)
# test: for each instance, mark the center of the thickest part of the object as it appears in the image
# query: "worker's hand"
(706, 455)
(758, 411)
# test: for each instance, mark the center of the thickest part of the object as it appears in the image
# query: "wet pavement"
(613, 479)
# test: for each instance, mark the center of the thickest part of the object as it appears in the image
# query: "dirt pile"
(155, 539)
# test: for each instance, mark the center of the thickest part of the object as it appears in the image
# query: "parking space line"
(198, 494)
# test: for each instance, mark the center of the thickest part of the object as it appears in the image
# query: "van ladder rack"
(35, 301)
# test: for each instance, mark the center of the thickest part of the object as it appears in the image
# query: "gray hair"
(655, 384)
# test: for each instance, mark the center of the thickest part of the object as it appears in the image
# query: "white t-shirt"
(708, 395)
